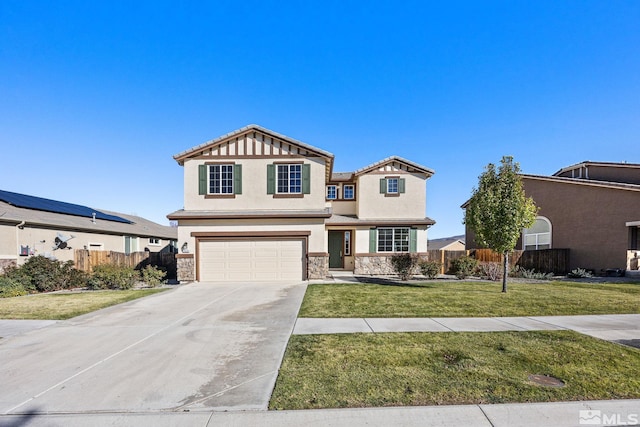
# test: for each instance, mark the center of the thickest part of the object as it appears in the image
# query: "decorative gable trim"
(394, 164)
(253, 141)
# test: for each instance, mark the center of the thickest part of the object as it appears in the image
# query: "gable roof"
(444, 241)
(587, 182)
(588, 163)
(409, 165)
(285, 146)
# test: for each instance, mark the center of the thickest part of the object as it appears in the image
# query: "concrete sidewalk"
(560, 414)
(613, 327)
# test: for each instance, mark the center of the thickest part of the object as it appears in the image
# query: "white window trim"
(335, 187)
(397, 181)
(153, 243)
(289, 166)
(545, 219)
(393, 240)
(209, 179)
(353, 192)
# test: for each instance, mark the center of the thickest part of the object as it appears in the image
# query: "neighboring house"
(32, 225)
(591, 208)
(454, 243)
(260, 206)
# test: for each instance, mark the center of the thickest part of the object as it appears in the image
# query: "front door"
(336, 244)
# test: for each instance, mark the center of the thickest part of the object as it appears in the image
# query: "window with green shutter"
(289, 179)
(392, 185)
(219, 179)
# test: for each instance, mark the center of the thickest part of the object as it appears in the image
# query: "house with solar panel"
(32, 226)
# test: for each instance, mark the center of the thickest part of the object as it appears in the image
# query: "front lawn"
(395, 369)
(469, 299)
(60, 306)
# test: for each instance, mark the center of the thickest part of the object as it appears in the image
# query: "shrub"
(464, 266)
(108, 276)
(431, 269)
(152, 276)
(579, 273)
(11, 288)
(404, 264)
(490, 271)
(41, 274)
(523, 273)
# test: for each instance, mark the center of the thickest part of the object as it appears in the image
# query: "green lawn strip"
(469, 299)
(400, 369)
(60, 306)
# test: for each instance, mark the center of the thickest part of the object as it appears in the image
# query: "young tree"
(498, 210)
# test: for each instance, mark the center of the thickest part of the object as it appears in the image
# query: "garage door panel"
(246, 260)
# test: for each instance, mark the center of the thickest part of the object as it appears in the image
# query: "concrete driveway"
(198, 347)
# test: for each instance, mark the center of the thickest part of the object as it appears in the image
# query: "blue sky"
(96, 97)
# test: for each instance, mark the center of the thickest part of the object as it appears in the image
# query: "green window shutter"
(373, 237)
(237, 179)
(306, 179)
(383, 185)
(271, 179)
(401, 185)
(202, 179)
(413, 240)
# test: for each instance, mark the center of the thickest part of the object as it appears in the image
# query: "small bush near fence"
(431, 269)
(152, 276)
(524, 273)
(490, 270)
(463, 267)
(108, 276)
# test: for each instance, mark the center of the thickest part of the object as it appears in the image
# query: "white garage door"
(250, 260)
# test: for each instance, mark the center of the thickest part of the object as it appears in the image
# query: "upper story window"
(221, 179)
(538, 236)
(154, 241)
(332, 192)
(290, 179)
(393, 239)
(392, 185)
(348, 192)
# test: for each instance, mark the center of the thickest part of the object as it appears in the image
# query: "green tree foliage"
(499, 209)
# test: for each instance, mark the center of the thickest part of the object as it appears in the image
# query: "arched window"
(538, 236)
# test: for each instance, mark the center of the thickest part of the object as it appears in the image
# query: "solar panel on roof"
(48, 205)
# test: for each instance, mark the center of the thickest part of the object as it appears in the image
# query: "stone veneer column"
(318, 266)
(186, 267)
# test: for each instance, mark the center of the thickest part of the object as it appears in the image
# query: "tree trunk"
(505, 272)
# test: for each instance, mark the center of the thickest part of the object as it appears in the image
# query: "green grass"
(65, 305)
(469, 299)
(397, 369)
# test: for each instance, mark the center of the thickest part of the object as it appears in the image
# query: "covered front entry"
(251, 260)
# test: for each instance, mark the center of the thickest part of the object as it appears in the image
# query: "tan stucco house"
(590, 208)
(261, 206)
(31, 225)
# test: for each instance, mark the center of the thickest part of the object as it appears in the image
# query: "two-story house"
(261, 206)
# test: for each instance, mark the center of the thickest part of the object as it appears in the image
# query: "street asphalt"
(208, 355)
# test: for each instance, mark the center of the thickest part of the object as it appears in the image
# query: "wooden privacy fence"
(85, 260)
(543, 260)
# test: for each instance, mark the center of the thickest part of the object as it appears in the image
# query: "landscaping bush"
(490, 271)
(152, 276)
(41, 274)
(464, 266)
(431, 269)
(113, 277)
(404, 264)
(579, 273)
(11, 288)
(523, 273)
